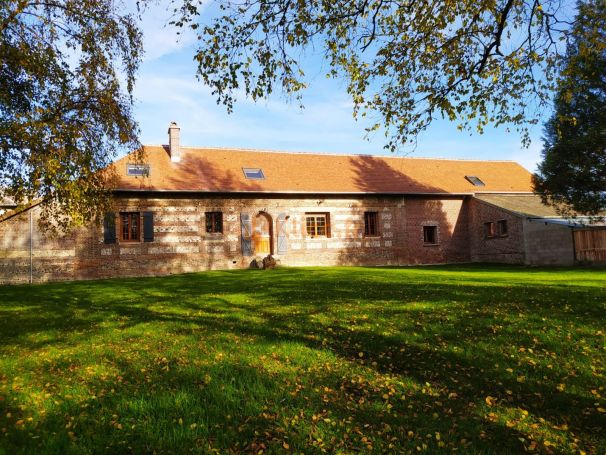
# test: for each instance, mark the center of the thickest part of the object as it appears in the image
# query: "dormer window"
(139, 170)
(253, 173)
(475, 181)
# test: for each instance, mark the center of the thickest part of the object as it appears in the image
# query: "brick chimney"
(174, 149)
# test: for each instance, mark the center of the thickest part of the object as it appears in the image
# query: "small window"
(490, 230)
(129, 226)
(475, 181)
(253, 173)
(317, 224)
(502, 228)
(214, 222)
(371, 224)
(141, 170)
(430, 235)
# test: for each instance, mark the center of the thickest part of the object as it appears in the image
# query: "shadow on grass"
(364, 356)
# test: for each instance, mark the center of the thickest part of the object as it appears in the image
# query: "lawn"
(473, 359)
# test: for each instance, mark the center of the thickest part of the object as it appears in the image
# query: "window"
(475, 181)
(138, 170)
(253, 173)
(490, 230)
(430, 235)
(502, 228)
(317, 224)
(371, 224)
(129, 226)
(214, 222)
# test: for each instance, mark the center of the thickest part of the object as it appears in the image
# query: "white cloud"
(159, 37)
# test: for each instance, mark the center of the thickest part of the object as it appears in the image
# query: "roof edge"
(303, 152)
(19, 210)
(131, 190)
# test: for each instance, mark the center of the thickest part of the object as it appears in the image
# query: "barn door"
(246, 228)
(281, 231)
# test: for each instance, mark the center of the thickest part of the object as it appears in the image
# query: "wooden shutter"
(148, 226)
(109, 228)
(328, 232)
(282, 238)
(246, 227)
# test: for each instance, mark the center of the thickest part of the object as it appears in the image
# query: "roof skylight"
(253, 173)
(141, 170)
(475, 181)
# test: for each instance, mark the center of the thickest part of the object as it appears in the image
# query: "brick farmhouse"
(190, 209)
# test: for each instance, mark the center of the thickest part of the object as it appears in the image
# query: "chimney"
(174, 149)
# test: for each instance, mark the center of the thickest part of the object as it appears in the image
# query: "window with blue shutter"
(109, 228)
(281, 230)
(148, 226)
(246, 228)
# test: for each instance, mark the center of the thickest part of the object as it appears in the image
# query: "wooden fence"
(590, 245)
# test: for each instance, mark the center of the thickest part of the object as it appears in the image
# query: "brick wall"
(52, 258)
(507, 249)
(182, 245)
(450, 216)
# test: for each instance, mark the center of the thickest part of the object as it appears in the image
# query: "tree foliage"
(572, 174)
(67, 69)
(471, 61)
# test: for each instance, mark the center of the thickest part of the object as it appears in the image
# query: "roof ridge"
(285, 152)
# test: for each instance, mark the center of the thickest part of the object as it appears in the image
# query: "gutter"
(305, 192)
(573, 223)
(253, 192)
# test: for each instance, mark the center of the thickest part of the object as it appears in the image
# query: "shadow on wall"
(376, 178)
(401, 222)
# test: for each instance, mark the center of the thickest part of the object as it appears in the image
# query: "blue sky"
(167, 90)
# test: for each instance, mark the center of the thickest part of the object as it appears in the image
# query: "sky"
(167, 90)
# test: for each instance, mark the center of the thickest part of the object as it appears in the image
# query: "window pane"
(316, 225)
(320, 225)
(138, 169)
(125, 226)
(370, 223)
(214, 222)
(134, 222)
(489, 229)
(310, 225)
(253, 173)
(474, 180)
(430, 234)
(502, 227)
(130, 226)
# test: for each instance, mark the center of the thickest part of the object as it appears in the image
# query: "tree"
(471, 61)
(572, 175)
(67, 69)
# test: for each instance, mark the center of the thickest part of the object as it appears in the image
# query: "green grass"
(477, 359)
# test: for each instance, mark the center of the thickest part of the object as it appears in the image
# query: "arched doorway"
(263, 234)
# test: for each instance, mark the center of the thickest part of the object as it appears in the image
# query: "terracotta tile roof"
(220, 170)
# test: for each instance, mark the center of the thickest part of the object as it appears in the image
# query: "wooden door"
(262, 234)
